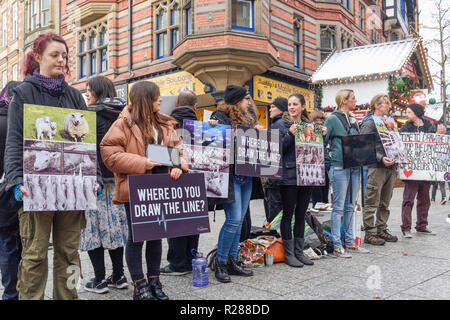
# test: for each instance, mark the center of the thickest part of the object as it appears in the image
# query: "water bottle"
(199, 270)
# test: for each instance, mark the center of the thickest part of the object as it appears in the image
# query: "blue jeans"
(342, 206)
(230, 233)
(10, 255)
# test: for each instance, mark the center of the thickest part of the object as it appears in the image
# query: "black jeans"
(320, 194)
(179, 254)
(133, 253)
(97, 257)
(10, 255)
(295, 200)
(246, 226)
(272, 202)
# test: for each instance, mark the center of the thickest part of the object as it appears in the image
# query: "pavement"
(411, 269)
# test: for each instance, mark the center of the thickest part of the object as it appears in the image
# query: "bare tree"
(441, 28)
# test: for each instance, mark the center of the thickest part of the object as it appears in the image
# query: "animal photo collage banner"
(309, 153)
(59, 159)
(390, 138)
(430, 157)
(208, 150)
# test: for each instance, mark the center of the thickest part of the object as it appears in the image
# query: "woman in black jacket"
(44, 84)
(106, 228)
(295, 199)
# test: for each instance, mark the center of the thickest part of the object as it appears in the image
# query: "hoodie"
(31, 91)
(107, 112)
(183, 112)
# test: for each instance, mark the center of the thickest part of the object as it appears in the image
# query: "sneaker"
(341, 253)
(373, 239)
(168, 271)
(426, 231)
(96, 287)
(387, 236)
(443, 201)
(355, 248)
(407, 234)
(122, 283)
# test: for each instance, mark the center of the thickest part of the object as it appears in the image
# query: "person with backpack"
(106, 227)
(295, 199)
(180, 254)
(416, 123)
(123, 151)
(381, 179)
(344, 182)
(10, 244)
(45, 68)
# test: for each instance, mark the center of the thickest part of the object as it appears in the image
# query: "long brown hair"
(142, 96)
(237, 114)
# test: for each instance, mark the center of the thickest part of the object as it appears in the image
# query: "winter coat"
(275, 123)
(368, 126)
(123, 151)
(3, 126)
(183, 112)
(31, 91)
(107, 112)
(427, 127)
(288, 150)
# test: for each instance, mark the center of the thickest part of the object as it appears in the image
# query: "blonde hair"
(378, 99)
(342, 95)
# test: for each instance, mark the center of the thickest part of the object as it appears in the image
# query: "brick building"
(270, 46)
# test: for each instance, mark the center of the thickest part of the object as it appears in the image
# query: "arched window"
(93, 50)
(327, 41)
(167, 31)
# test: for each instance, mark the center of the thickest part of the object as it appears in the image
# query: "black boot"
(156, 289)
(220, 271)
(289, 256)
(299, 245)
(142, 290)
(235, 269)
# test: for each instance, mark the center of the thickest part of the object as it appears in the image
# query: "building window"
(362, 14)
(14, 21)
(188, 17)
(167, 31)
(327, 41)
(242, 15)
(298, 40)
(4, 29)
(15, 72)
(346, 4)
(4, 78)
(93, 50)
(45, 12)
(33, 14)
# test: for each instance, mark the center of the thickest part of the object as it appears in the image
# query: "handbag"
(276, 248)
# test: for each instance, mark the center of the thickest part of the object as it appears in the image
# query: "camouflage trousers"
(35, 229)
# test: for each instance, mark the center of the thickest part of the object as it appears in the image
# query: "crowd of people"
(123, 132)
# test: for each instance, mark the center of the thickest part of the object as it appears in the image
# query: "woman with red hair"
(44, 84)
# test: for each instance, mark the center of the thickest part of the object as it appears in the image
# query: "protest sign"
(310, 155)
(258, 153)
(59, 159)
(163, 208)
(390, 138)
(208, 150)
(429, 155)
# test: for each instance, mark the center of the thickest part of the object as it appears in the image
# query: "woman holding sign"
(295, 199)
(45, 68)
(123, 152)
(233, 112)
(421, 189)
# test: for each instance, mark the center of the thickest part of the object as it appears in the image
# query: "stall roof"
(381, 59)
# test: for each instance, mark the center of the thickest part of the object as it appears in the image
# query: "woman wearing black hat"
(416, 123)
(233, 112)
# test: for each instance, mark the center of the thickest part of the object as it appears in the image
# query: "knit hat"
(417, 109)
(234, 94)
(281, 103)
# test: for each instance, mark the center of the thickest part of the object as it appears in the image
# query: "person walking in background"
(179, 254)
(45, 67)
(344, 182)
(320, 193)
(233, 112)
(295, 199)
(10, 244)
(272, 197)
(416, 123)
(123, 151)
(106, 228)
(381, 179)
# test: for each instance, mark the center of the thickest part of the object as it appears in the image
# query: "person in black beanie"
(416, 123)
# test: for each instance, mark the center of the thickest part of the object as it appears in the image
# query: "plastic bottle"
(199, 270)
